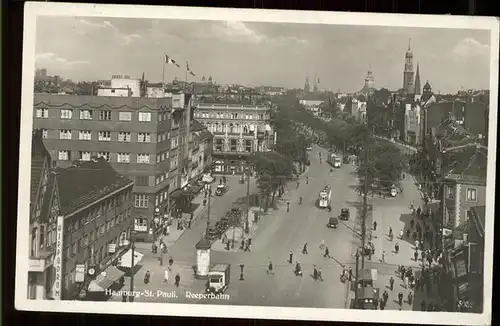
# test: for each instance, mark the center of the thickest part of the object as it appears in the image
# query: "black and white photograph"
(257, 163)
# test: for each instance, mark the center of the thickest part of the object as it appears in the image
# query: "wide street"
(278, 233)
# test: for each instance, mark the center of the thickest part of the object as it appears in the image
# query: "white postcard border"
(32, 10)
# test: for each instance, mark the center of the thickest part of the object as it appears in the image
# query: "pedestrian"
(300, 200)
(165, 276)
(288, 207)
(419, 211)
(396, 248)
(383, 256)
(270, 268)
(415, 255)
(391, 283)
(351, 276)
(400, 299)
(307, 180)
(315, 273)
(147, 276)
(385, 297)
(153, 248)
(177, 280)
(422, 305)
(242, 244)
(390, 231)
(374, 225)
(327, 253)
(319, 274)
(304, 249)
(408, 233)
(170, 263)
(410, 298)
(322, 244)
(290, 257)
(417, 243)
(406, 281)
(298, 184)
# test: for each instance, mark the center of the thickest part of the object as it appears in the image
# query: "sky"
(256, 53)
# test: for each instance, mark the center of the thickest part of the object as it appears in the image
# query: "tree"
(382, 163)
(273, 170)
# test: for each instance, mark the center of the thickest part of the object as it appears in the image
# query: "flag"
(170, 61)
(189, 70)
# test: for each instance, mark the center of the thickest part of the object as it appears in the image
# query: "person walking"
(304, 249)
(270, 268)
(374, 225)
(400, 299)
(300, 200)
(177, 280)
(391, 283)
(396, 248)
(415, 255)
(327, 253)
(322, 244)
(401, 234)
(315, 273)
(383, 256)
(165, 276)
(320, 277)
(147, 277)
(385, 297)
(290, 257)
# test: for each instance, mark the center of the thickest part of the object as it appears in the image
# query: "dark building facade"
(142, 138)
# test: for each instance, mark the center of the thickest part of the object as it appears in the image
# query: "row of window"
(470, 195)
(224, 115)
(142, 200)
(233, 145)
(123, 136)
(103, 115)
(231, 128)
(68, 155)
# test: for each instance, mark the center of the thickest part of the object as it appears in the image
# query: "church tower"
(408, 74)
(369, 79)
(307, 87)
(418, 90)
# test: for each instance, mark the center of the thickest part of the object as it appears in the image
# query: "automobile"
(344, 214)
(308, 148)
(332, 222)
(221, 189)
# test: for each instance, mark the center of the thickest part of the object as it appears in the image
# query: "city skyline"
(249, 53)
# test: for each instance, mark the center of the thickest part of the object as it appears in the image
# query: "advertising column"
(58, 263)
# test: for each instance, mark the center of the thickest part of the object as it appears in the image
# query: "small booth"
(110, 279)
(367, 277)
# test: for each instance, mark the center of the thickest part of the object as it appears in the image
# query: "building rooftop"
(450, 134)
(100, 102)
(223, 103)
(86, 182)
(468, 164)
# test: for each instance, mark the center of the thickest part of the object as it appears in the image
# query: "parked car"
(332, 222)
(344, 214)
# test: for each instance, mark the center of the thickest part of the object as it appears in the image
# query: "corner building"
(238, 131)
(143, 139)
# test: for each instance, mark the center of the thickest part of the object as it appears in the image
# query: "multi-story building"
(413, 128)
(201, 149)
(142, 138)
(74, 228)
(121, 85)
(44, 210)
(238, 130)
(94, 224)
(464, 184)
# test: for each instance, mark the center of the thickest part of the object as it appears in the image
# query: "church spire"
(417, 81)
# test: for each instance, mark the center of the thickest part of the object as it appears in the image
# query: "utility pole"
(365, 208)
(132, 263)
(247, 201)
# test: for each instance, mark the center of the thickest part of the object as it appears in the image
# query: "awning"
(126, 259)
(104, 280)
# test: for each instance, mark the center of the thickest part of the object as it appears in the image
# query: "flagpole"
(186, 78)
(163, 72)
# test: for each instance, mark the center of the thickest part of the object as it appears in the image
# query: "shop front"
(101, 288)
(231, 164)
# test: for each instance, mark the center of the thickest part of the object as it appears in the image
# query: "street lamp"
(207, 180)
(132, 263)
(357, 274)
